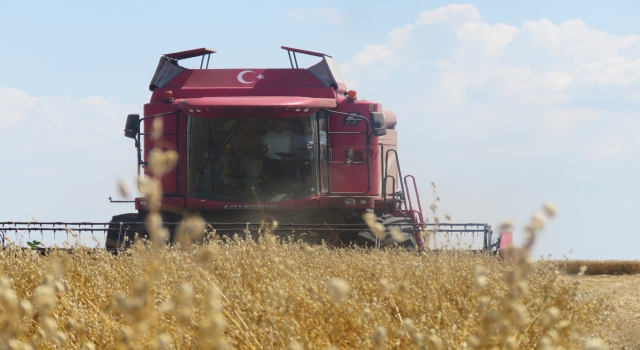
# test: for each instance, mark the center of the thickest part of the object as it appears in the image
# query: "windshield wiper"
(229, 135)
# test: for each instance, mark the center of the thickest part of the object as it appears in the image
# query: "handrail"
(415, 189)
(384, 190)
(386, 166)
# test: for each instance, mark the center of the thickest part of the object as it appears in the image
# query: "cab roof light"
(168, 97)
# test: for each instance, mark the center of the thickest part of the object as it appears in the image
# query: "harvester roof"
(324, 75)
(190, 53)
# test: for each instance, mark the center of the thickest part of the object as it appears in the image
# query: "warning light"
(352, 95)
(168, 97)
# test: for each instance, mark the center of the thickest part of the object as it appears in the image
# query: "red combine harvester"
(290, 144)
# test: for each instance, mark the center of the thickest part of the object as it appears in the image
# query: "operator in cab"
(278, 140)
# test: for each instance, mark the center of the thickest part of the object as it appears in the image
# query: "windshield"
(251, 159)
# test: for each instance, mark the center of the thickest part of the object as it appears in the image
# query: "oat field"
(272, 294)
(600, 267)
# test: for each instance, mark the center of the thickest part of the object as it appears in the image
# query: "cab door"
(348, 154)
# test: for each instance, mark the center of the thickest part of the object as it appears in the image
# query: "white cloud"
(295, 14)
(373, 53)
(59, 110)
(558, 81)
(9, 115)
(63, 155)
(450, 13)
(614, 150)
(328, 13)
(47, 123)
(323, 14)
(560, 121)
(488, 38)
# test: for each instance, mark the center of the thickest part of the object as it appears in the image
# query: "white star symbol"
(260, 76)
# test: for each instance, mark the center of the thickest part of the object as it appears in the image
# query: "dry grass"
(600, 267)
(271, 294)
(277, 295)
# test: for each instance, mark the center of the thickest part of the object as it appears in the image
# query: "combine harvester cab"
(292, 145)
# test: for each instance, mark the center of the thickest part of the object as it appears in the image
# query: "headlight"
(349, 201)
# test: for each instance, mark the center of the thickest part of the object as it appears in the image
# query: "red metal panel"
(347, 133)
(506, 240)
(176, 83)
(167, 203)
(392, 119)
(352, 178)
(376, 172)
(203, 204)
(337, 202)
(252, 77)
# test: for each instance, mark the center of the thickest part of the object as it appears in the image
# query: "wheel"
(405, 236)
(120, 227)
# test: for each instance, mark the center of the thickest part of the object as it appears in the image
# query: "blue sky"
(505, 105)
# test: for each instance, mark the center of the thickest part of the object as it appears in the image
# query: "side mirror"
(378, 123)
(132, 127)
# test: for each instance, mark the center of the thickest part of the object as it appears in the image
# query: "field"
(274, 294)
(600, 267)
(623, 293)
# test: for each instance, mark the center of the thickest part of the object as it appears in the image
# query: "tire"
(122, 231)
(406, 238)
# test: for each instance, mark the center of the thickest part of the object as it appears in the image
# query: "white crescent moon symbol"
(240, 79)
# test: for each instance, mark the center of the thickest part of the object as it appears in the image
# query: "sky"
(504, 105)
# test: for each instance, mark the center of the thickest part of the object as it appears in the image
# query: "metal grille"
(22, 232)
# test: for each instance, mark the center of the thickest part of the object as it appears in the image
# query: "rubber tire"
(116, 236)
(406, 228)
